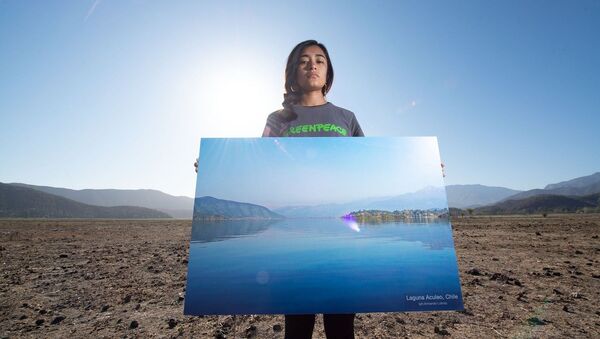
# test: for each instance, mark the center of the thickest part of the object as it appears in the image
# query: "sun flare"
(234, 97)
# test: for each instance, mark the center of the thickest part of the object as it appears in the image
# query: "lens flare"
(351, 222)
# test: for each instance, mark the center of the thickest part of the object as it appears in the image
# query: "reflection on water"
(204, 231)
(327, 265)
(433, 233)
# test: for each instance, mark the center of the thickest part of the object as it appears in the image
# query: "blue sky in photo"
(117, 94)
(276, 172)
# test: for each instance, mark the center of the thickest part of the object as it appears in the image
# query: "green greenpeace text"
(315, 128)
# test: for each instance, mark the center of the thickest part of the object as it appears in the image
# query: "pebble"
(440, 331)
(474, 271)
(537, 321)
(172, 323)
(57, 320)
(251, 331)
(220, 335)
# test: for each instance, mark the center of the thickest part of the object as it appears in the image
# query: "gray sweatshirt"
(325, 120)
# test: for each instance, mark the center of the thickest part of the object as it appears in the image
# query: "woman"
(307, 113)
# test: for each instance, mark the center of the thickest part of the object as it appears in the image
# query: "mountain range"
(544, 203)
(466, 196)
(478, 197)
(577, 187)
(576, 195)
(429, 197)
(175, 206)
(23, 202)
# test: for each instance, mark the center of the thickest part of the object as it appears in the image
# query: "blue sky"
(277, 172)
(117, 94)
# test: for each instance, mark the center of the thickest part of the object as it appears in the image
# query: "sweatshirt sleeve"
(273, 126)
(355, 127)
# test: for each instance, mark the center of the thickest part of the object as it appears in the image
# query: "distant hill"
(209, 207)
(426, 198)
(423, 199)
(581, 182)
(465, 196)
(544, 204)
(576, 187)
(24, 202)
(177, 207)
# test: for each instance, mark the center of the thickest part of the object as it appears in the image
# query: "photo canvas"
(321, 225)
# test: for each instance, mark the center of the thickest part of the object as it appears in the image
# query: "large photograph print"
(321, 225)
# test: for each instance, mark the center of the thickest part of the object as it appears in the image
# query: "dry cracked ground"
(521, 276)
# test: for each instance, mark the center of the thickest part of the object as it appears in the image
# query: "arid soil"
(522, 277)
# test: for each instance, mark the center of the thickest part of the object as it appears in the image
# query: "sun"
(235, 95)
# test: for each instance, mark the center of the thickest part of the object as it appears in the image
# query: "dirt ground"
(522, 277)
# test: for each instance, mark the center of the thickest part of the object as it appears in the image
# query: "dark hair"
(292, 94)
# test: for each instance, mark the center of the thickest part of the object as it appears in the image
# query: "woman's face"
(312, 69)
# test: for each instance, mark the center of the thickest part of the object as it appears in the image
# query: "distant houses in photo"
(404, 215)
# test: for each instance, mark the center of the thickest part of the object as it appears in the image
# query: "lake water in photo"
(321, 265)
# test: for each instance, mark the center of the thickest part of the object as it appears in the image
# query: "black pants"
(337, 326)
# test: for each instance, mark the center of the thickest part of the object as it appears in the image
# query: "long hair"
(293, 92)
